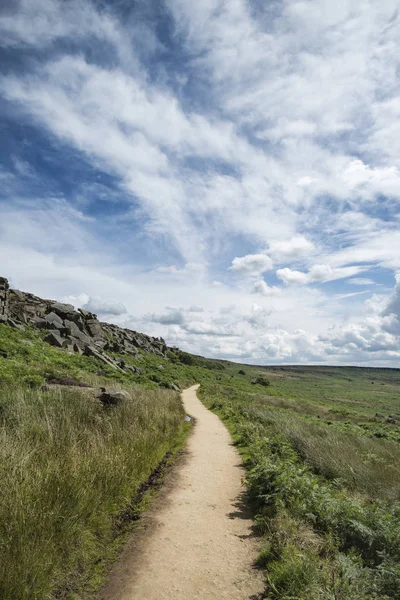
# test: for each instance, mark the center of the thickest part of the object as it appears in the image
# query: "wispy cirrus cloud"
(208, 155)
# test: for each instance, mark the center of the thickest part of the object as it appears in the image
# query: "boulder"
(72, 328)
(90, 351)
(54, 320)
(175, 387)
(114, 397)
(40, 323)
(94, 328)
(65, 311)
(86, 314)
(54, 339)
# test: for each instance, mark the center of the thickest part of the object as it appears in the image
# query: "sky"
(224, 174)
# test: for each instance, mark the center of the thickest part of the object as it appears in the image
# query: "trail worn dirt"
(199, 542)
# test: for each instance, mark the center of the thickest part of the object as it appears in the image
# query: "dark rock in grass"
(55, 339)
(3, 354)
(76, 348)
(67, 381)
(114, 397)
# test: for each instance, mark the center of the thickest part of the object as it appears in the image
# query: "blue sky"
(224, 174)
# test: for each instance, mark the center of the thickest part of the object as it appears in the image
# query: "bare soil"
(199, 542)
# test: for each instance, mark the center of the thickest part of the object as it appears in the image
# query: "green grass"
(322, 476)
(321, 447)
(68, 466)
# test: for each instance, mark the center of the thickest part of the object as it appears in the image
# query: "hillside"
(85, 422)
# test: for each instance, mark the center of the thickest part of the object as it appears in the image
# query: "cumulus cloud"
(262, 288)
(102, 307)
(252, 264)
(294, 248)
(284, 152)
(291, 276)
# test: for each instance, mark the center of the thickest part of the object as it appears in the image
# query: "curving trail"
(199, 545)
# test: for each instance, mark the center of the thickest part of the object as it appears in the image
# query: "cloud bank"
(240, 157)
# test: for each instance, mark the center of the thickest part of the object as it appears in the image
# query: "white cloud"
(290, 276)
(317, 273)
(102, 307)
(262, 288)
(295, 248)
(252, 264)
(271, 131)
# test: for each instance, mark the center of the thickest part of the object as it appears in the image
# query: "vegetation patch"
(324, 490)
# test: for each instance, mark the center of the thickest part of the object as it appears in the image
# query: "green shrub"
(261, 380)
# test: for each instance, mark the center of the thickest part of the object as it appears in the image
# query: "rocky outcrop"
(4, 294)
(77, 331)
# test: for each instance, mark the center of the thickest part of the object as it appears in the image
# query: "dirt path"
(199, 545)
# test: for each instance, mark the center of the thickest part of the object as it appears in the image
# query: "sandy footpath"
(199, 543)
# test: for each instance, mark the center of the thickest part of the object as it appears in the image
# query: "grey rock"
(90, 351)
(94, 328)
(15, 325)
(54, 339)
(40, 323)
(72, 328)
(65, 311)
(54, 320)
(175, 387)
(86, 314)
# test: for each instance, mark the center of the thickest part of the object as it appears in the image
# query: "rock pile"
(78, 331)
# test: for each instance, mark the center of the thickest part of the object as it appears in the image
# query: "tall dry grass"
(67, 467)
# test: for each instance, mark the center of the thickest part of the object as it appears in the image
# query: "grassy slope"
(322, 475)
(321, 445)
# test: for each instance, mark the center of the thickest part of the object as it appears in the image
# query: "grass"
(68, 466)
(321, 446)
(322, 477)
